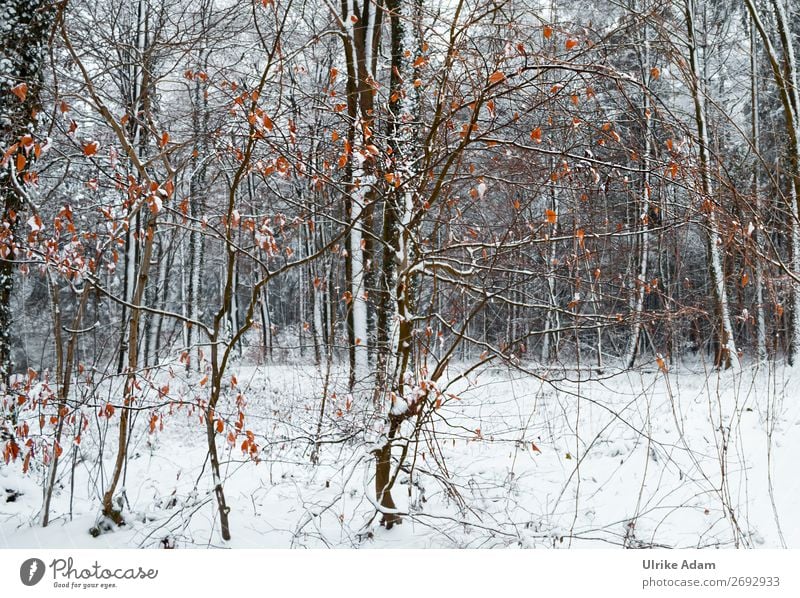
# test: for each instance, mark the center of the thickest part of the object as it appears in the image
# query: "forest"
(399, 273)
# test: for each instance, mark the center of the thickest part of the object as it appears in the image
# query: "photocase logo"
(31, 572)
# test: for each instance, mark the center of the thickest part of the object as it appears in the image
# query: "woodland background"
(305, 235)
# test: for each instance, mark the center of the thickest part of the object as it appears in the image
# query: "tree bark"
(728, 356)
(26, 26)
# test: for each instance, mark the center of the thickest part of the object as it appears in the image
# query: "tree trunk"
(130, 378)
(395, 287)
(361, 40)
(728, 356)
(761, 324)
(784, 72)
(642, 218)
(22, 46)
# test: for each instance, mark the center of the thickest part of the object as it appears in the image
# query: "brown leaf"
(21, 91)
(496, 77)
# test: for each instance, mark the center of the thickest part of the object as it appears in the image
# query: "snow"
(633, 459)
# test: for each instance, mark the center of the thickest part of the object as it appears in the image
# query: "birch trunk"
(643, 217)
(551, 337)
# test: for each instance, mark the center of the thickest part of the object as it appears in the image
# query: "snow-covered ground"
(694, 458)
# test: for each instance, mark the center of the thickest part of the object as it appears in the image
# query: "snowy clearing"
(635, 460)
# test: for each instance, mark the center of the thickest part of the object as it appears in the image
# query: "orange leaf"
(550, 216)
(220, 426)
(496, 77)
(11, 450)
(571, 43)
(90, 149)
(655, 72)
(21, 91)
(536, 135)
(673, 168)
(662, 365)
(547, 32)
(204, 381)
(21, 161)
